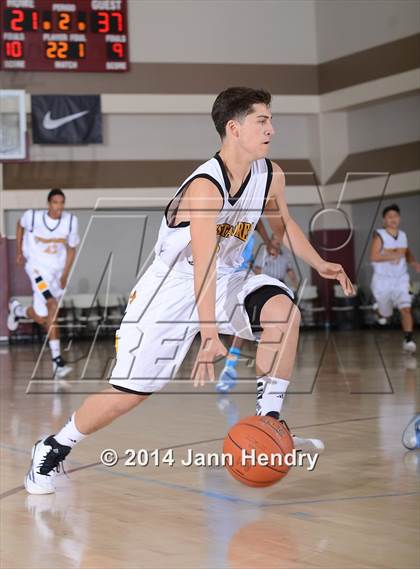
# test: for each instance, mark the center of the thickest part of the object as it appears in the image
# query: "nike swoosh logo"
(50, 124)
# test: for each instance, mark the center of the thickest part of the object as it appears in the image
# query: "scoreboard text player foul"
(76, 35)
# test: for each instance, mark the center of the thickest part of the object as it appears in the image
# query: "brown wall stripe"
(208, 78)
(170, 79)
(393, 159)
(120, 174)
(370, 64)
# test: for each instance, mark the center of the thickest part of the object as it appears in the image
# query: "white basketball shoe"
(47, 456)
(411, 434)
(409, 346)
(306, 445)
(60, 368)
(12, 318)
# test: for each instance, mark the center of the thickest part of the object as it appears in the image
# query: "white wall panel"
(222, 31)
(346, 26)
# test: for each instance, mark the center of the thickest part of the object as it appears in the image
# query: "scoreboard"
(65, 35)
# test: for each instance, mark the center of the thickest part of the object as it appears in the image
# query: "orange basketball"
(258, 446)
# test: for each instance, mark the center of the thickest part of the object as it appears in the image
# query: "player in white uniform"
(193, 286)
(47, 239)
(391, 282)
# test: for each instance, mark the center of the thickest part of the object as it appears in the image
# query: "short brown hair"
(234, 103)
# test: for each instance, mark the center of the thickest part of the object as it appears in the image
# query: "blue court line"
(218, 495)
(346, 499)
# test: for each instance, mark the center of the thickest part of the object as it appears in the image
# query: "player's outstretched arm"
(20, 259)
(280, 221)
(272, 246)
(73, 241)
(71, 254)
(411, 260)
(203, 202)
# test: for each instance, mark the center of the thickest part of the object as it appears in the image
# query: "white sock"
(69, 435)
(270, 395)
(55, 348)
(20, 311)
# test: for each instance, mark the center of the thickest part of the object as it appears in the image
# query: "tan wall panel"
(170, 137)
(372, 91)
(392, 122)
(101, 199)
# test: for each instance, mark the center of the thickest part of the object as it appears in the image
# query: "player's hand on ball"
(336, 271)
(211, 349)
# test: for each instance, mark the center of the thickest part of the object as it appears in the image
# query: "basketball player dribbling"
(391, 282)
(193, 286)
(47, 241)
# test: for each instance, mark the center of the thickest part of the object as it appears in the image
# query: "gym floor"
(358, 508)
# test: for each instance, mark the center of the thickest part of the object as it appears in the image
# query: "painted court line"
(97, 466)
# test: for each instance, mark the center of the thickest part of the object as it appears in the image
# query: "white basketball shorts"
(161, 321)
(45, 284)
(391, 292)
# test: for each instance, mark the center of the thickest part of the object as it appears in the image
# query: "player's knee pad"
(255, 301)
(132, 391)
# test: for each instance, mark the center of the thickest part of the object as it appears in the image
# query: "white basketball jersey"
(388, 268)
(235, 221)
(45, 239)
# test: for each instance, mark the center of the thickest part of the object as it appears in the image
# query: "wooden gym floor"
(359, 508)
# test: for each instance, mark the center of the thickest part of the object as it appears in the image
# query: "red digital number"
(14, 49)
(17, 20)
(118, 16)
(118, 49)
(35, 20)
(103, 22)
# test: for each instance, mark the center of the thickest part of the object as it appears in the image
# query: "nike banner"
(66, 119)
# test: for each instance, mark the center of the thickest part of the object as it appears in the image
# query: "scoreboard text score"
(76, 35)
